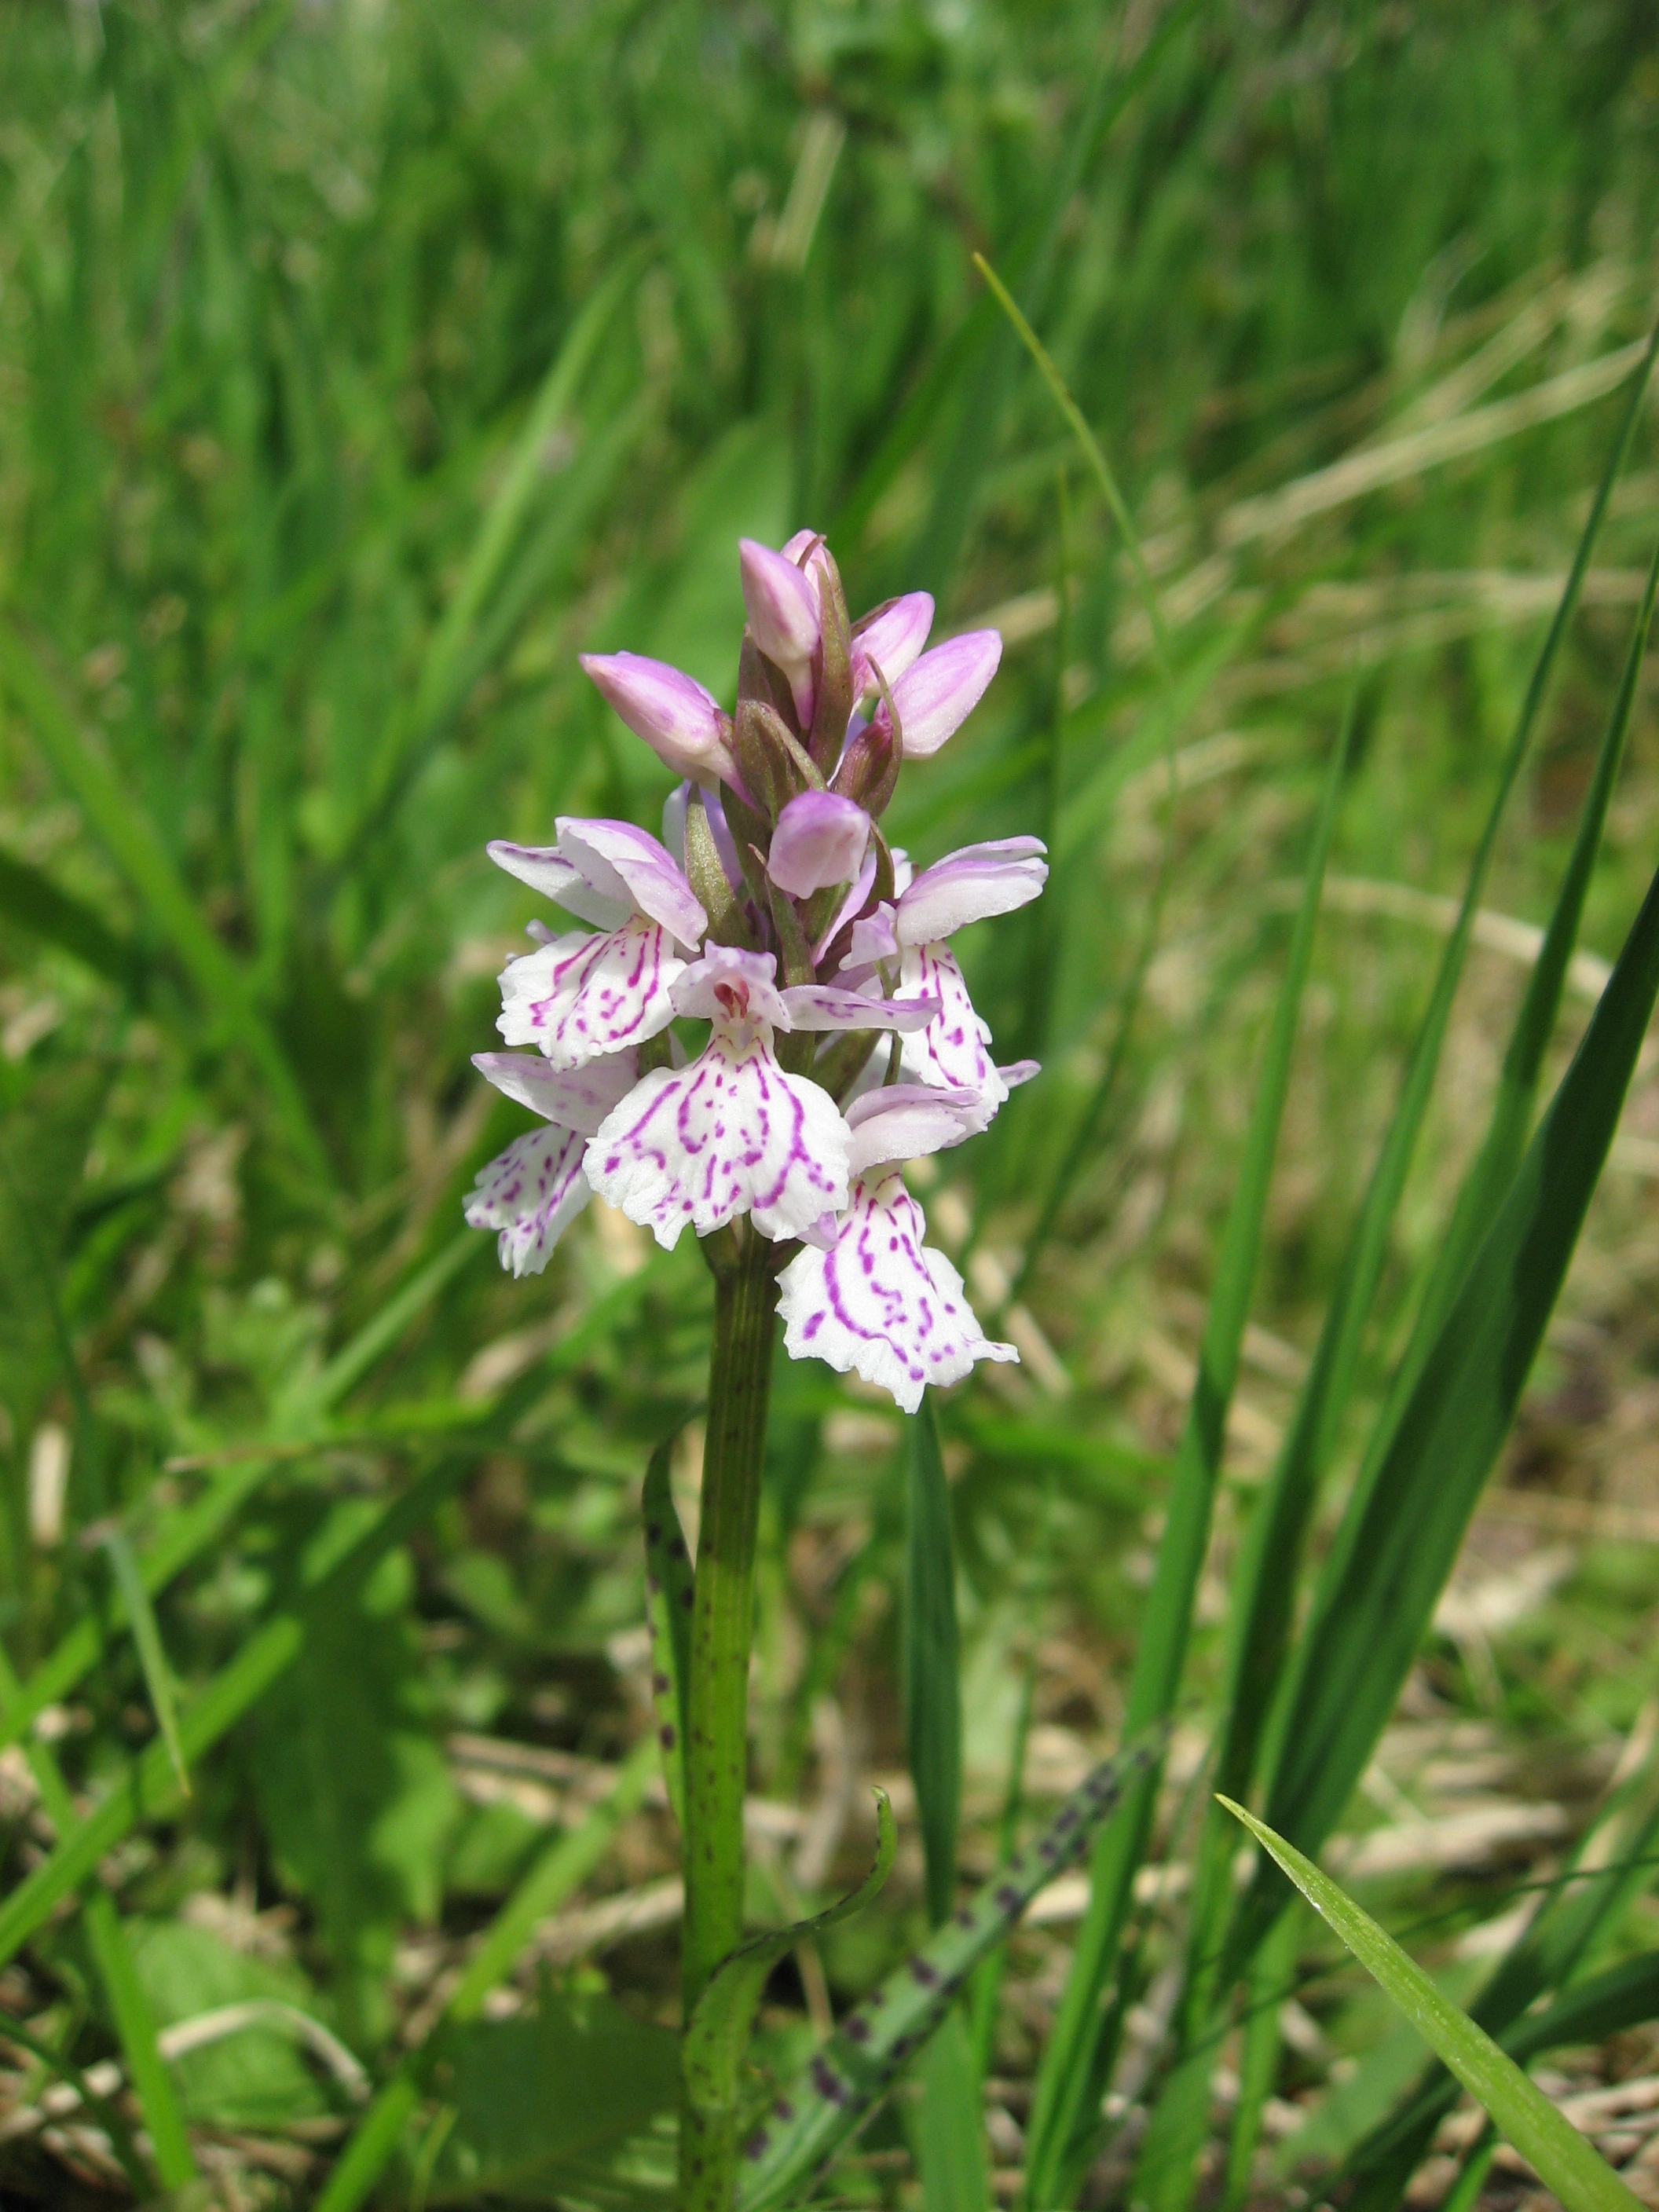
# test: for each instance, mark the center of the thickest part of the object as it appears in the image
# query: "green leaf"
(1562, 2158)
(718, 2033)
(1068, 2088)
(353, 1787)
(257, 2077)
(818, 2110)
(932, 1685)
(531, 2098)
(668, 1616)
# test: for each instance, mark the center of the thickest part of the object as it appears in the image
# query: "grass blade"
(946, 2128)
(146, 1638)
(933, 1689)
(874, 2045)
(1361, 1643)
(1067, 2093)
(1564, 2160)
(30, 898)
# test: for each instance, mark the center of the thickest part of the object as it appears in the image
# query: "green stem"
(717, 1735)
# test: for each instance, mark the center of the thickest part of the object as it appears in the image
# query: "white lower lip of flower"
(530, 1193)
(580, 995)
(881, 1303)
(733, 1133)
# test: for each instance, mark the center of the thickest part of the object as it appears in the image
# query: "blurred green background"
(363, 360)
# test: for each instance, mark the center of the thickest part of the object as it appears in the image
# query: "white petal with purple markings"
(907, 1121)
(882, 1303)
(731, 1133)
(954, 1051)
(546, 869)
(827, 1006)
(530, 1194)
(581, 996)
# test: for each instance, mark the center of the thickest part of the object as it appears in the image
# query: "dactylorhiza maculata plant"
(841, 1042)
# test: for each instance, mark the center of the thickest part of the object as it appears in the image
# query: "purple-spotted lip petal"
(891, 642)
(827, 1006)
(546, 869)
(935, 697)
(729, 984)
(820, 839)
(970, 885)
(573, 1098)
(617, 860)
(679, 720)
(783, 607)
(909, 1120)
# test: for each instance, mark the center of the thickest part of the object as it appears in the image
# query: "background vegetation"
(361, 362)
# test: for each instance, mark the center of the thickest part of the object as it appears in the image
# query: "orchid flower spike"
(866, 1294)
(772, 908)
(578, 996)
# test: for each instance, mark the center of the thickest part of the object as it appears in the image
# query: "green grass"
(359, 365)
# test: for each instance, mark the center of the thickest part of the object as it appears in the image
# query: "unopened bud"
(681, 721)
(819, 840)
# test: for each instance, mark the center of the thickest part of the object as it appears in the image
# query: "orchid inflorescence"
(843, 1040)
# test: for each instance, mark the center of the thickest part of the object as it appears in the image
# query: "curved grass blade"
(1562, 2158)
(818, 2110)
(668, 1596)
(1067, 2093)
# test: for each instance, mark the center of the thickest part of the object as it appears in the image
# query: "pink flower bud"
(680, 721)
(935, 697)
(819, 840)
(783, 609)
(892, 642)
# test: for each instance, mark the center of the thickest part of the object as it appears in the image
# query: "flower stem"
(717, 1737)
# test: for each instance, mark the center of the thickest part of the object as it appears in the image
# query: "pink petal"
(730, 1135)
(576, 1098)
(891, 642)
(819, 840)
(617, 860)
(881, 1303)
(581, 996)
(907, 1121)
(728, 984)
(783, 607)
(935, 697)
(680, 721)
(979, 881)
(828, 1006)
(530, 1195)
(545, 869)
